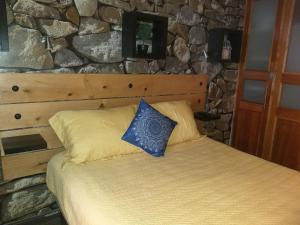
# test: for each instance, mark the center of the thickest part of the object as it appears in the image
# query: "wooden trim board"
(20, 88)
(41, 126)
(37, 97)
(37, 114)
(25, 164)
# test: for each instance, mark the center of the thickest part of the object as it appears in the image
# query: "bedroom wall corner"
(66, 36)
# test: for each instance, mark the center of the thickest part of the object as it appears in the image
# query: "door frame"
(283, 77)
(245, 74)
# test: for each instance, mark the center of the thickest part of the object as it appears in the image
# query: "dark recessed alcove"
(3, 28)
(216, 44)
(134, 23)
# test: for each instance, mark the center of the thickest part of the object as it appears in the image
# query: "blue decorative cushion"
(149, 130)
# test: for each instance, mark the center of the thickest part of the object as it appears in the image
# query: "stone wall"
(84, 36)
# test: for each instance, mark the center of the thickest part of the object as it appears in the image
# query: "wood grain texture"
(281, 142)
(37, 114)
(284, 28)
(291, 78)
(254, 144)
(255, 75)
(289, 114)
(287, 144)
(275, 131)
(251, 106)
(249, 125)
(25, 164)
(30, 125)
(59, 87)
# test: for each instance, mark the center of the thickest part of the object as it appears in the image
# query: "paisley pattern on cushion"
(149, 130)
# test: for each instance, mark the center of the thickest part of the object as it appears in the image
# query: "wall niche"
(144, 35)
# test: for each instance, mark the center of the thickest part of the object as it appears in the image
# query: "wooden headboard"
(27, 101)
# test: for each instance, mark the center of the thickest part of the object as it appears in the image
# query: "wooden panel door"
(282, 136)
(261, 35)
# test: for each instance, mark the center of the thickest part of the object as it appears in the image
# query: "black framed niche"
(224, 45)
(144, 35)
(4, 47)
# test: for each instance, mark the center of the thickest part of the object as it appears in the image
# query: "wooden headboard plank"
(48, 134)
(59, 87)
(38, 114)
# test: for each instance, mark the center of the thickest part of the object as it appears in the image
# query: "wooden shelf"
(25, 164)
(24, 155)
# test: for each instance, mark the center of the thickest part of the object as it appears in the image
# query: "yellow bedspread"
(201, 182)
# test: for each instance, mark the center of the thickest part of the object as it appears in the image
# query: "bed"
(197, 182)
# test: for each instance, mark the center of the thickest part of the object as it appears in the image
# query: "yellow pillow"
(89, 135)
(181, 112)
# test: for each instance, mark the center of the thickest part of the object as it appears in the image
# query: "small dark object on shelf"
(26, 143)
(216, 39)
(143, 49)
(205, 116)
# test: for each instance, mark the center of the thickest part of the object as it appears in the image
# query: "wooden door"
(282, 136)
(258, 60)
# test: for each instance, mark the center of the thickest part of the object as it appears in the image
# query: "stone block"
(35, 9)
(187, 16)
(25, 202)
(107, 68)
(139, 66)
(102, 47)
(86, 7)
(20, 184)
(26, 50)
(181, 50)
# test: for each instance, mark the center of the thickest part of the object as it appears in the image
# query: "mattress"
(201, 182)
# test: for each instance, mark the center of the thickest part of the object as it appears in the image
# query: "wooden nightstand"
(24, 155)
